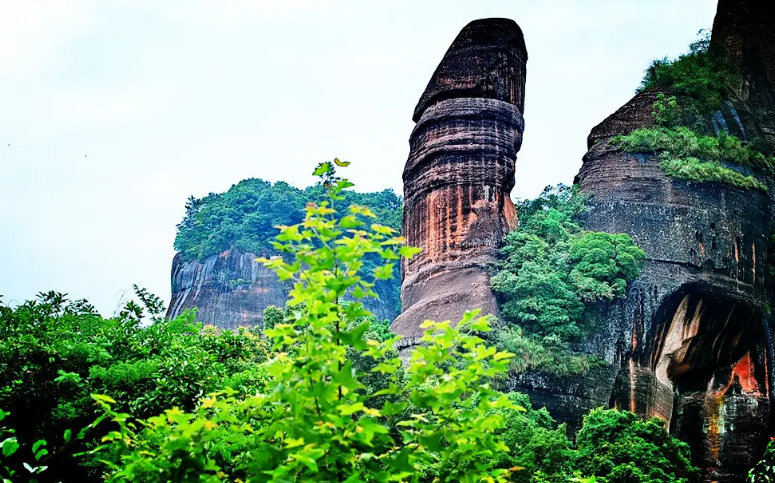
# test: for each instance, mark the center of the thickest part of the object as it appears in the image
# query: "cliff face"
(744, 33)
(231, 289)
(691, 343)
(460, 173)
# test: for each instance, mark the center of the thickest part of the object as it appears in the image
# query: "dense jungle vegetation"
(320, 395)
(553, 275)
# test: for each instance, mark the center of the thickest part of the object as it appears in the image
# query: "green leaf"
(103, 398)
(9, 446)
(349, 409)
(322, 169)
(38, 444)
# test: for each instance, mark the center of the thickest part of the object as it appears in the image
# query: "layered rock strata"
(229, 290)
(460, 173)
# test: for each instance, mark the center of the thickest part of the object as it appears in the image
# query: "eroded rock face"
(691, 344)
(231, 290)
(744, 32)
(460, 173)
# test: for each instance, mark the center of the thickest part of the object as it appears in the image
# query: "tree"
(622, 448)
(552, 273)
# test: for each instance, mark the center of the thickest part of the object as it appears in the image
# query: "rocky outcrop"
(231, 290)
(460, 173)
(744, 34)
(691, 343)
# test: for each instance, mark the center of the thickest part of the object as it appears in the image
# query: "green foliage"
(688, 155)
(537, 443)
(547, 354)
(620, 447)
(666, 111)
(10, 448)
(54, 353)
(331, 401)
(695, 170)
(764, 471)
(313, 421)
(552, 272)
(248, 214)
(273, 316)
(699, 78)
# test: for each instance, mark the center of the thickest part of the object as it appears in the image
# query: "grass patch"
(695, 170)
(687, 155)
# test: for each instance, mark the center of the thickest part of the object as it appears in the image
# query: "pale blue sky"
(116, 111)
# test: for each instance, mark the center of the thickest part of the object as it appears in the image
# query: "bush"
(54, 353)
(699, 78)
(622, 448)
(764, 470)
(272, 316)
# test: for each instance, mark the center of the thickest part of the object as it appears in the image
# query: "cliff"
(691, 343)
(460, 172)
(231, 289)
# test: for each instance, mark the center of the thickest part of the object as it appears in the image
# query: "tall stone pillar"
(460, 173)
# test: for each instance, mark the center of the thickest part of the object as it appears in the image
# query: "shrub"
(699, 78)
(313, 421)
(54, 353)
(273, 315)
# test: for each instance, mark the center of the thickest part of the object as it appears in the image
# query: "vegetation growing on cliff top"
(698, 82)
(553, 274)
(685, 154)
(699, 78)
(247, 215)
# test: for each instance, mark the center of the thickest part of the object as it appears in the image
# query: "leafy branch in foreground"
(312, 421)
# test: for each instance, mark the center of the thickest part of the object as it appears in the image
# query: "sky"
(114, 112)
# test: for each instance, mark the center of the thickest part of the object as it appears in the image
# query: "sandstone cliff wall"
(231, 289)
(692, 342)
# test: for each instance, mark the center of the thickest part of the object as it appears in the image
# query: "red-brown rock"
(460, 173)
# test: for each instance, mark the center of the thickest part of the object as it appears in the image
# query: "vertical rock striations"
(744, 33)
(231, 290)
(691, 343)
(460, 173)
